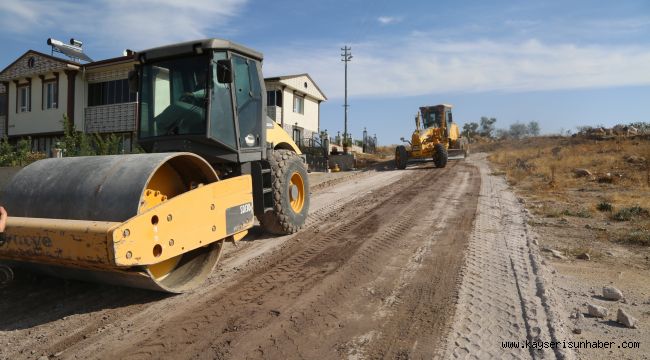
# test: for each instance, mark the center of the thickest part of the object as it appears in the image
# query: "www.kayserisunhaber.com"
(583, 344)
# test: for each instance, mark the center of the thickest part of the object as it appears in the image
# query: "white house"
(293, 101)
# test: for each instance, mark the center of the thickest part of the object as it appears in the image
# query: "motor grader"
(159, 220)
(436, 137)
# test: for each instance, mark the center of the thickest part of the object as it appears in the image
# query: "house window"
(274, 98)
(3, 105)
(298, 104)
(110, 92)
(23, 98)
(51, 95)
(296, 136)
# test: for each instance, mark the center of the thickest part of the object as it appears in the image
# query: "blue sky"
(561, 63)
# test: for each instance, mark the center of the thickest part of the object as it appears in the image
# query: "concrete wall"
(345, 162)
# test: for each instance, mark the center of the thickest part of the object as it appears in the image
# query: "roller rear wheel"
(290, 194)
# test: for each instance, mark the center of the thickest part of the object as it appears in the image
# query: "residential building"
(38, 89)
(293, 101)
(35, 93)
(109, 106)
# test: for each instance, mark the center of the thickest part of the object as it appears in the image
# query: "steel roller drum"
(115, 188)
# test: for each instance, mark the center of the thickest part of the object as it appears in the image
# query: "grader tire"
(401, 157)
(290, 194)
(440, 157)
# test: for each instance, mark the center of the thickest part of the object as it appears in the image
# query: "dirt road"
(373, 274)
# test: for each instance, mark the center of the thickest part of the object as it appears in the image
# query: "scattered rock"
(626, 319)
(612, 293)
(582, 172)
(578, 322)
(606, 178)
(557, 254)
(584, 256)
(556, 151)
(609, 253)
(596, 311)
(634, 159)
(524, 165)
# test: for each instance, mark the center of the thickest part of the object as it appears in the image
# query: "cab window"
(249, 101)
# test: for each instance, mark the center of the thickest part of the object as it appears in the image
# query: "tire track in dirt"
(502, 296)
(282, 275)
(289, 306)
(373, 260)
(49, 316)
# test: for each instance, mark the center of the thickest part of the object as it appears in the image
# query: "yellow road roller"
(159, 220)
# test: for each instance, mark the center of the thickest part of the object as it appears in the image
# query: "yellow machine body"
(196, 218)
(435, 131)
(279, 138)
(158, 220)
(155, 221)
(436, 137)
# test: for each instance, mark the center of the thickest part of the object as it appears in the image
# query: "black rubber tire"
(440, 156)
(283, 219)
(401, 157)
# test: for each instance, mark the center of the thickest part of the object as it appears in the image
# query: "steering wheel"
(188, 97)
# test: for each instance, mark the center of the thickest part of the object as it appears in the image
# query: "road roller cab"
(160, 220)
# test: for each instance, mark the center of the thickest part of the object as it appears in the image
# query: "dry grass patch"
(605, 183)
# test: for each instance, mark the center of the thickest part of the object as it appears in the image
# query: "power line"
(346, 56)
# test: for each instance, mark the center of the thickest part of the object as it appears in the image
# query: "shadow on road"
(33, 299)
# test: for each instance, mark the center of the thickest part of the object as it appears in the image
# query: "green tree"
(7, 154)
(75, 143)
(533, 128)
(487, 126)
(23, 148)
(107, 145)
(470, 130)
(518, 130)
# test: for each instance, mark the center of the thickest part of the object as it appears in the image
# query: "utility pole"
(345, 57)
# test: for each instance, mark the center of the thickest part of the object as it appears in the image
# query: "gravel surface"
(504, 294)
